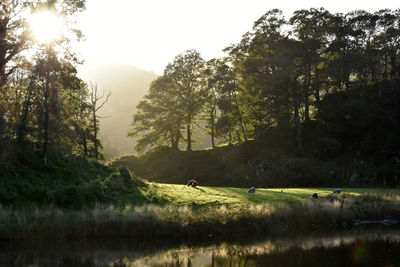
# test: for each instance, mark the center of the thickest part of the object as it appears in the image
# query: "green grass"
(179, 211)
(215, 196)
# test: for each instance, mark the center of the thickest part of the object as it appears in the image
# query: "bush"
(79, 196)
(68, 182)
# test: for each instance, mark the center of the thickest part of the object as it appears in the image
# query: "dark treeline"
(318, 86)
(45, 109)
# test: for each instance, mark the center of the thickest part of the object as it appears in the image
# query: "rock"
(252, 190)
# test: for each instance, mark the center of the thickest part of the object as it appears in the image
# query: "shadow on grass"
(199, 189)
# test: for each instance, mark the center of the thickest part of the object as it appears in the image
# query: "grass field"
(215, 196)
(179, 211)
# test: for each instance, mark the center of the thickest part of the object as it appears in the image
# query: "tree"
(310, 27)
(13, 34)
(32, 84)
(258, 60)
(158, 120)
(212, 97)
(97, 101)
(185, 74)
(222, 95)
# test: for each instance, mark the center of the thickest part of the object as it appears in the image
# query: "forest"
(49, 121)
(46, 109)
(308, 100)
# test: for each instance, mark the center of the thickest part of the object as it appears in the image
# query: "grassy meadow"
(179, 211)
(202, 196)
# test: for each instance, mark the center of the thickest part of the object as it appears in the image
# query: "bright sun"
(46, 26)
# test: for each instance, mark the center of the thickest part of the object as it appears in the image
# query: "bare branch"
(103, 117)
(105, 101)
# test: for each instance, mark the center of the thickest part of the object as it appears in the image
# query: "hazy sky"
(149, 33)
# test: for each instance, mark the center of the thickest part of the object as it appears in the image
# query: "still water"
(367, 247)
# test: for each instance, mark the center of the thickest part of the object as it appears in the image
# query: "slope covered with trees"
(319, 87)
(48, 116)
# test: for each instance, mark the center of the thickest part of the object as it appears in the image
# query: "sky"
(148, 34)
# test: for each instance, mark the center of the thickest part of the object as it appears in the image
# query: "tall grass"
(191, 221)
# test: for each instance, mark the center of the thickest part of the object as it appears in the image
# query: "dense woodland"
(315, 89)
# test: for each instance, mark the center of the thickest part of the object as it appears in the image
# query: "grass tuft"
(193, 213)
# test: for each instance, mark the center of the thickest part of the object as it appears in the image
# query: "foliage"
(319, 90)
(67, 182)
(173, 102)
(45, 105)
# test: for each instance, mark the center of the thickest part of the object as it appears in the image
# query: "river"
(359, 247)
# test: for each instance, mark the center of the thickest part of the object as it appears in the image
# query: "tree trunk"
(189, 135)
(257, 132)
(394, 70)
(23, 121)
(46, 118)
(175, 140)
(385, 75)
(212, 117)
(172, 140)
(212, 137)
(3, 50)
(238, 137)
(317, 89)
(297, 123)
(96, 145)
(307, 79)
(85, 148)
(240, 118)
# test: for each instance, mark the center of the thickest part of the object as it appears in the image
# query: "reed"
(185, 221)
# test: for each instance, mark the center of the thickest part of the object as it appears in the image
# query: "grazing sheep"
(192, 183)
(315, 195)
(252, 190)
(337, 191)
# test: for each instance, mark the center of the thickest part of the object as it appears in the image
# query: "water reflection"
(365, 248)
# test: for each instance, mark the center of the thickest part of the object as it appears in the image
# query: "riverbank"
(254, 217)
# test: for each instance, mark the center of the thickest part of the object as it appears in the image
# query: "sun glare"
(46, 26)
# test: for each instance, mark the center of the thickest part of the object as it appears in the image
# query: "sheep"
(337, 191)
(192, 183)
(252, 190)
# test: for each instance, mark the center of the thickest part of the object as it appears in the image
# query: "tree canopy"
(44, 107)
(312, 84)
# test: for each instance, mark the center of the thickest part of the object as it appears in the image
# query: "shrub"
(70, 182)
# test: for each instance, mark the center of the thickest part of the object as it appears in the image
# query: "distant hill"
(127, 85)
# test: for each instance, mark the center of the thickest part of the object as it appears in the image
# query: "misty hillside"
(128, 85)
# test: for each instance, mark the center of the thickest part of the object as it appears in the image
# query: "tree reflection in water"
(373, 248)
